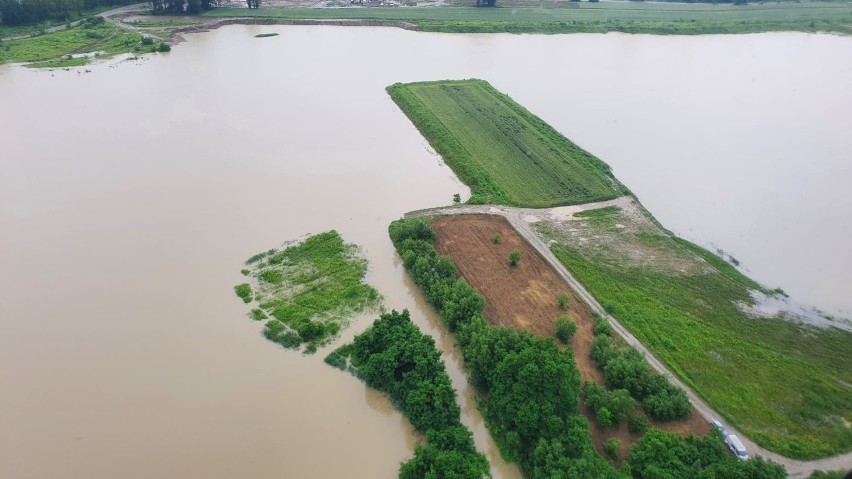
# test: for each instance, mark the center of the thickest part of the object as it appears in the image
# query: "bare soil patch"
(525, 297)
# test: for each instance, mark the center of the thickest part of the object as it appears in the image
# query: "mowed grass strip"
(503, 152)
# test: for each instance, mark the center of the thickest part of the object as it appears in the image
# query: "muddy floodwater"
(130, 195)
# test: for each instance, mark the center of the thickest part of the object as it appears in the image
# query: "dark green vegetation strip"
(784, 384)
(504, 153)
(662, 454)
(529, 388)
(94, 35)
(309, 290)
(667, 19)
(394, 357)
(265, 35)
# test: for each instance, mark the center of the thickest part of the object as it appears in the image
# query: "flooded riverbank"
(129, 197)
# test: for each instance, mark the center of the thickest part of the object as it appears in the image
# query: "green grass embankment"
(309, 290)
(503, 152)
(54, 50)
(638, 17)
(784, 384)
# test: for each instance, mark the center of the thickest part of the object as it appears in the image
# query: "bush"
(529, 386)
(604, 417)
(611, 446)
(514, 258)
(618, 404)
(244, 292)
(637, 423)
(562, 301)
(456, 198)
(626, 368)
(496, 239)
(164, 47)
(602, 326)
(667, 404)
(289, 340)
(565, 329)
(664, 454)
(147, 41)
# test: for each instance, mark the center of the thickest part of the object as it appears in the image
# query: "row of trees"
(191, 6)
(626, 368)
(393, 356)
(530, 388)
(663, 455)
(23, 12)
(183, 6)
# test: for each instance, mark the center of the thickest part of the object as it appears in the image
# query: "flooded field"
(130, 196)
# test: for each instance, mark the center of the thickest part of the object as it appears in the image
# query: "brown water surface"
(129, 197)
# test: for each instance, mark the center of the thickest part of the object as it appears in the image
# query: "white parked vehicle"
(736, 446)
(718, 425)
(731, 440)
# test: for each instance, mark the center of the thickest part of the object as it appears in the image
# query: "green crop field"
(572, 17)
(784, 384)
(503, 152)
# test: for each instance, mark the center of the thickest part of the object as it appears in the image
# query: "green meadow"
(503, 152)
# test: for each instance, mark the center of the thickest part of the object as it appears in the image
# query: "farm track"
(521, 219)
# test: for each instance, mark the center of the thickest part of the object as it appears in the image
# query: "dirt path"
(521, 220)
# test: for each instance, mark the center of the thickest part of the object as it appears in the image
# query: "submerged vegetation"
(394, 357)
(503, 152)
(75, 46)
(783, 383)
(309, 290)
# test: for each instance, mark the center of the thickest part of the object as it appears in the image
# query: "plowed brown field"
(525, 297)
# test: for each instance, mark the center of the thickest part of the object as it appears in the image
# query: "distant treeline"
(182, 6)
(25, 12)
(22, 12)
